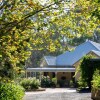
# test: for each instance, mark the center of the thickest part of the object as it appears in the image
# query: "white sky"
(44, 1)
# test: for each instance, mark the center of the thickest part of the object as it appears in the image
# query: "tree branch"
(29, 15)
(35, 12)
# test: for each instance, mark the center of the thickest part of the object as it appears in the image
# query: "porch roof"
(50, 69)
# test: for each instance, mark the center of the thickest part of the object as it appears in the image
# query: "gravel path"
(57, 94)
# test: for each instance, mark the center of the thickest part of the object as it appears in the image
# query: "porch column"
(40, 76)
(35, 74)
(26, 74)
(29, 74)
(56, 75)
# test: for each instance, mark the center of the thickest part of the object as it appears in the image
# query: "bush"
(71, 83)
(81, 83)
(54, 82)
(46, 82)
(11, 91)
(96, 80)
(95, 93)
(62, 83)
(30, 83)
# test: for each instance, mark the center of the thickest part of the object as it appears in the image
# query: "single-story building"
(63, 66)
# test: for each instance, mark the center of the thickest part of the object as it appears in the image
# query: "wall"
(64, 74)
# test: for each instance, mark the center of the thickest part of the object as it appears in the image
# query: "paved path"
(57, 94)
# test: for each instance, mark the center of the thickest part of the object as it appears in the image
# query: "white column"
(26, 74)
(35, 74)
(29, 74)
(40, 76)
(56, 75)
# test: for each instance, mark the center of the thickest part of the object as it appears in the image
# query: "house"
(63, 66)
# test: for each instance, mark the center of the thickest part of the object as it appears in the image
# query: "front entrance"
(63, 78)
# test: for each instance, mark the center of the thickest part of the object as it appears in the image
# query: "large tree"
(46, 26)
(26, 25)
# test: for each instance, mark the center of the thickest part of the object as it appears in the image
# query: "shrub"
(62, 83)
(11, 91)
(54, 82)
(46, 82)
(30, 83)
(81, 83)
(96, 80)
(71, 83)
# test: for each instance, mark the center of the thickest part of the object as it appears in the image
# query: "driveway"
(57, 94)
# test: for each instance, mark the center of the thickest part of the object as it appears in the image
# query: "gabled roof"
(96, 52)
(97, 45)
(51, 60)
(70, 58)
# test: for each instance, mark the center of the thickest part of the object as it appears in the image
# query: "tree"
(22, 30)
(27, 25)
(82, 22)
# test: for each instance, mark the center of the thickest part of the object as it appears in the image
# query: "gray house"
(63, 67)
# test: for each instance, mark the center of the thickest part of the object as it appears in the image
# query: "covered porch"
(64, 75)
